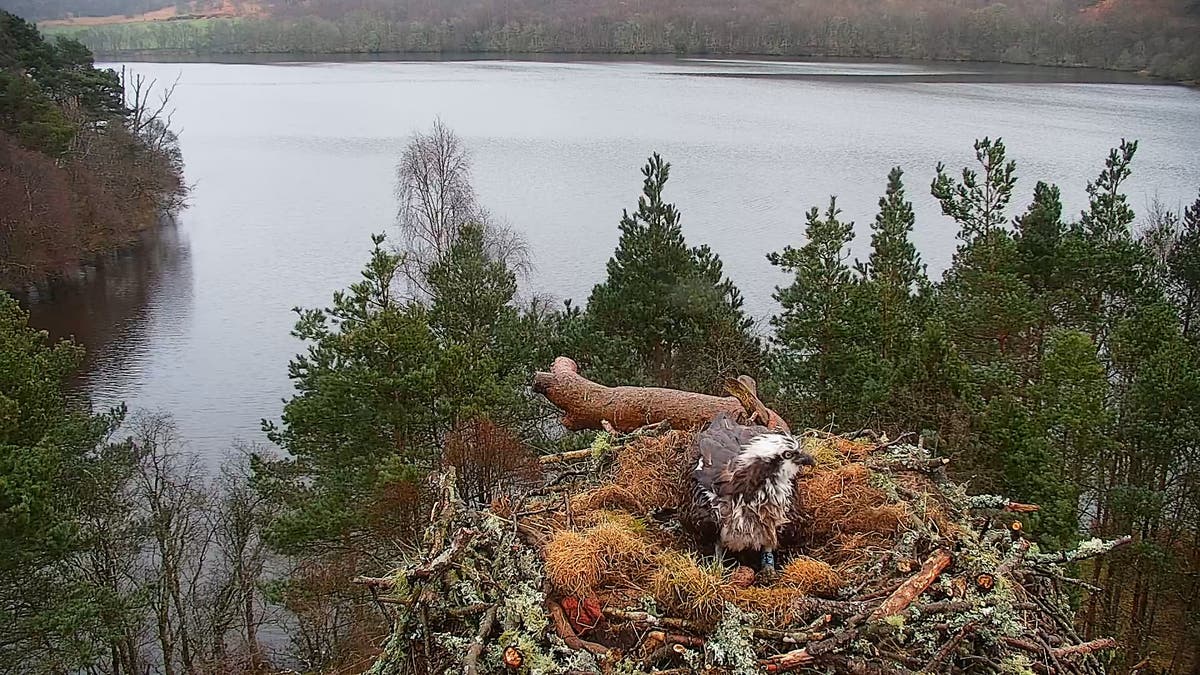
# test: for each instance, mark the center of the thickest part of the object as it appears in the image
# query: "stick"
(948, 648)
(376, 583)
(788, 661)
(807, 606)
(440, 563)
(676, 639)
(1014, 558)
(485, 628)
(651, 620)
(913, 587)
(897, 441)
(1085, 648)
(1088, 549)
(565, 456)
(797, 638)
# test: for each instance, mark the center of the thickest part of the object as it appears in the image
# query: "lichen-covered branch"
(1088, 549)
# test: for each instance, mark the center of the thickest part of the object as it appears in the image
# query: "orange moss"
(684, 587)
(810, 575)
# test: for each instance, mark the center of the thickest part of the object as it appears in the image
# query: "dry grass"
(612, 552)
(810, 575)
(647, 475)
(609, 553)
(840, 500)
(684, 586)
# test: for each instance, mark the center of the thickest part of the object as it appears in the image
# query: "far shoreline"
(985, 71)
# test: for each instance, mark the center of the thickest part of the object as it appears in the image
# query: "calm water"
(292, 166)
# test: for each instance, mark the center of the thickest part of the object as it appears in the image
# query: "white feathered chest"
(742, 484)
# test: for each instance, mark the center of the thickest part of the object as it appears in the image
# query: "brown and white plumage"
(741, 485)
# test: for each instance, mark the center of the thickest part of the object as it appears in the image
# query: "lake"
(293, 170)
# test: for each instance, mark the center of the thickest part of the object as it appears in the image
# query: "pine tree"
(1073, 428)
(815, 362)
(894, 270)
(470, 293)
(1039, 233)
(1108, 216)
(668, 304)
(978, 207)
(1183, 263)
(361, 416)
(891, 287)
(57, 473)
(989, 312)
(485, 347)
(1106, 268)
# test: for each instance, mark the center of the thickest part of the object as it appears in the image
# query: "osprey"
(742, 486)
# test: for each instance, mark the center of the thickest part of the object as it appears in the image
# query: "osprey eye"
(789, 454)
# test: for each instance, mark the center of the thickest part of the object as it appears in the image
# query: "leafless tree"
(146, 109)
(237, 519)
(172, 488)
(433, 186)
(1160, 230)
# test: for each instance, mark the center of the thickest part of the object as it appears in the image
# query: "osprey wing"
(717, 444)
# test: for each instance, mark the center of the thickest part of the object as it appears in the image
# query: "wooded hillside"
(1159, 36)
(84, 165)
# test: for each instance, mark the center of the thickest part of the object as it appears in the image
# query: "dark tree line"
(1159, 36)
(84, 166)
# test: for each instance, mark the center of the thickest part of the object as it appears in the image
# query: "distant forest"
(1158, 36)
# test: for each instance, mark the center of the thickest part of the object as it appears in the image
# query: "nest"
(886, 566)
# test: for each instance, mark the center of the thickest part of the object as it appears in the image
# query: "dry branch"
(568, 456)
(447, 557)
(486, 625)
(914, 587)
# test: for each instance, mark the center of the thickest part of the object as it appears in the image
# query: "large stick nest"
(887, 567)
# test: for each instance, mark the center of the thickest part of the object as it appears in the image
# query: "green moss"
(602, 445)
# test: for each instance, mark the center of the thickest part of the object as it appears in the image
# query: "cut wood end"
(563, 364)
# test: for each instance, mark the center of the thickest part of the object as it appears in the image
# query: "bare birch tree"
(436, 199)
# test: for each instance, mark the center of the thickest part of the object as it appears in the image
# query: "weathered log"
(587, 404)
(912, 588)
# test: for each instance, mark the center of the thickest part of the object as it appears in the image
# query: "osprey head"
(781, 450)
